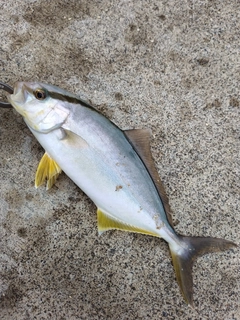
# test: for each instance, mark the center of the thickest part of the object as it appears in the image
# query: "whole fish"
(114, 168)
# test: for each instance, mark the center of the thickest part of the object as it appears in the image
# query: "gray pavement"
(172, 66)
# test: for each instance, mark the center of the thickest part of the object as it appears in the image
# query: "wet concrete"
(170, 66)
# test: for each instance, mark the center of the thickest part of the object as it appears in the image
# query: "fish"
(113, 167)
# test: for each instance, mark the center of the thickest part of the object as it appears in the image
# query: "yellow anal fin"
(48, 170)
(108, 223)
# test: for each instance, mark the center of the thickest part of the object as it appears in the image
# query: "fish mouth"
(19, 96)
(18, 87)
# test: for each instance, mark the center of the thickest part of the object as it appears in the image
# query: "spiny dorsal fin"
(48, 170)
(105, 222)
(140, 140)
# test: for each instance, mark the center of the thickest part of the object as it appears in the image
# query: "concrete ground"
(172, 66)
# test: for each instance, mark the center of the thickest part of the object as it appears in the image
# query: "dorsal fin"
(140, 140)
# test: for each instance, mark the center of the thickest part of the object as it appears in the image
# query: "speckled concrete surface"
(172, 66)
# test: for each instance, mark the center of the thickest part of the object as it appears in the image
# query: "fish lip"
(19, 94)
(18, 87)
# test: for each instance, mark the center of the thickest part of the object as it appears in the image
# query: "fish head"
(40, 105)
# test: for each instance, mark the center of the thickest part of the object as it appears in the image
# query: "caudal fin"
(183, 259)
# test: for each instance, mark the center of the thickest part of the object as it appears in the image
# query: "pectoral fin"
(48, 170)
(105, 222)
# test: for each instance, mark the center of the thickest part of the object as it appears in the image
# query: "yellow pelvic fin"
(48, 170)
(106, 222)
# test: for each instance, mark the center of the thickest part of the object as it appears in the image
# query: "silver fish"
(114, 168)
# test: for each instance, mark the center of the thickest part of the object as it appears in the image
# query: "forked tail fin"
(183, 259)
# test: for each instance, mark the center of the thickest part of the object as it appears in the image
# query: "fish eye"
(40, 94)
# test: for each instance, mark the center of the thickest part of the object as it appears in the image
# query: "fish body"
(114, 168)
(102, 162)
